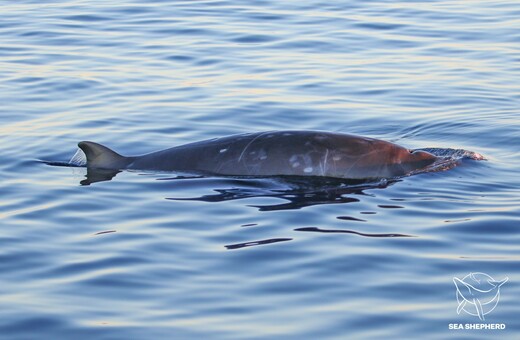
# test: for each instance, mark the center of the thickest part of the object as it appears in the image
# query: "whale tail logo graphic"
(478, 294)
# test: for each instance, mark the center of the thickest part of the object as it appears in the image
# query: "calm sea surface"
(153, 255)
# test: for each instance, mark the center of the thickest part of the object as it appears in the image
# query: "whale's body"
(274, 153)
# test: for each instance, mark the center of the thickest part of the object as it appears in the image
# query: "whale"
(478, 289)
(273, 153)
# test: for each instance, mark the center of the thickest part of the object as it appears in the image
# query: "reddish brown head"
(416, 159)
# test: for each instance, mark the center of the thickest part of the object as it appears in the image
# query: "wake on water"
(79, 158)
(447, 159)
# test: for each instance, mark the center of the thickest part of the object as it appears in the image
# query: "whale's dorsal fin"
(99, 156)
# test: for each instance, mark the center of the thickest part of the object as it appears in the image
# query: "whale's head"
(406, 161)
(418, 158)
(378, 158)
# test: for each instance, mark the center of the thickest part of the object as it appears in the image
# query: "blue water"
(152, 255)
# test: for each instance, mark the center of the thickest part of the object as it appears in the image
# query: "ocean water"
(156, 255)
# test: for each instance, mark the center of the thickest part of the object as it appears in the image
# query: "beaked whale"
(274, 153)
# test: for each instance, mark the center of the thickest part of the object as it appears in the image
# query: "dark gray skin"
(274, 153)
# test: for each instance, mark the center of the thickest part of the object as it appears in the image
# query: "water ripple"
(86, 254)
